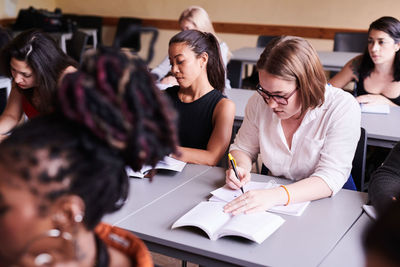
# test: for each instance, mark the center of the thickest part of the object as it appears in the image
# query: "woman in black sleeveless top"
(205, 115)
(377, 71)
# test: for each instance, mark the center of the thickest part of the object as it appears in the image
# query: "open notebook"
(210, 217)
(225, 194)
(167, 163)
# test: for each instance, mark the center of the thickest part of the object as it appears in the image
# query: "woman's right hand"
(233, 182)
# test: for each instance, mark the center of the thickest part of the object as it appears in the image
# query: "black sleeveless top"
(360, 90)
(195, 118)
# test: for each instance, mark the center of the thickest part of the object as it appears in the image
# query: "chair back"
(76, 46)
(350, 41)
(263, 40)
(131, 38)
(89, 22)
(358, 169)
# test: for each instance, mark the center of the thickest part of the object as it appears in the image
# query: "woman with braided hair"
(60, 173)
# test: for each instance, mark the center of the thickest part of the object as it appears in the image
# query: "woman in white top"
(305, 130)
(192, 18)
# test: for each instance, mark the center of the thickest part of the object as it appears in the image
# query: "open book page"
(225, 194)
(254, 226)
(210, 217)
(168, 163)
(370, 108)
(207, 216)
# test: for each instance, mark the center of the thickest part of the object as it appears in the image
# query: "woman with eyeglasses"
(304, 130)
(377, 71)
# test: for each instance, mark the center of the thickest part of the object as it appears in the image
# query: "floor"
(165, 261)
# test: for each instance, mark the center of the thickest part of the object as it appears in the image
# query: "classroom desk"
(142, 192)
(349, 251)
(331, 61)
(382, 129)
(300, 241)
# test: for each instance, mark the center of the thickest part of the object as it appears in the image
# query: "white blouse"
(323, 145)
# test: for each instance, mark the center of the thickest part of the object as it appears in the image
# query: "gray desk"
(331, 61)
(301, 241)
(142, 192)
(349, 251)
(382, 129)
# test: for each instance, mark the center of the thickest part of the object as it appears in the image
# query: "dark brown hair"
(203, 42)
(294, 59)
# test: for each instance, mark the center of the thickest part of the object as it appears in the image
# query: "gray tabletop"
(301, 241)
(331, 60)
(143, 192)
(351, 245)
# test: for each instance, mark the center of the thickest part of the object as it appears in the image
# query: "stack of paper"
(380, 109)
(167, 163)
(225, 194)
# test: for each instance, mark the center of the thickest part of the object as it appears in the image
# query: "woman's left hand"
(255, 201)
(373, 100)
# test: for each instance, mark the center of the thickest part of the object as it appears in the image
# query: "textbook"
(210, 217)
(226, 194)
(167, 163)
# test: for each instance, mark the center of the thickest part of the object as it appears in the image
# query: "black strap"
(102, 257)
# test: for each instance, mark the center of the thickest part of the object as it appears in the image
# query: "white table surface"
(300, 241)
(382, 129)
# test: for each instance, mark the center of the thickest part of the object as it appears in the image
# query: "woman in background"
(36, 64)
(205, 115)
(377, 71)
(61, 172)
(304, 130)
(192, 18)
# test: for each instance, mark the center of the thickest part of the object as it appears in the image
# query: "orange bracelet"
(288, 195)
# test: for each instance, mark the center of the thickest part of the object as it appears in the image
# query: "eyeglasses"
(283, 100)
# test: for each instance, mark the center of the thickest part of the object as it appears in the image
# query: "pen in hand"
(233, 163)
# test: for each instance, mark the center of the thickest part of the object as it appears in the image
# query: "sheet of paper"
(380, 109)
(225, 194)
(168, 163)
